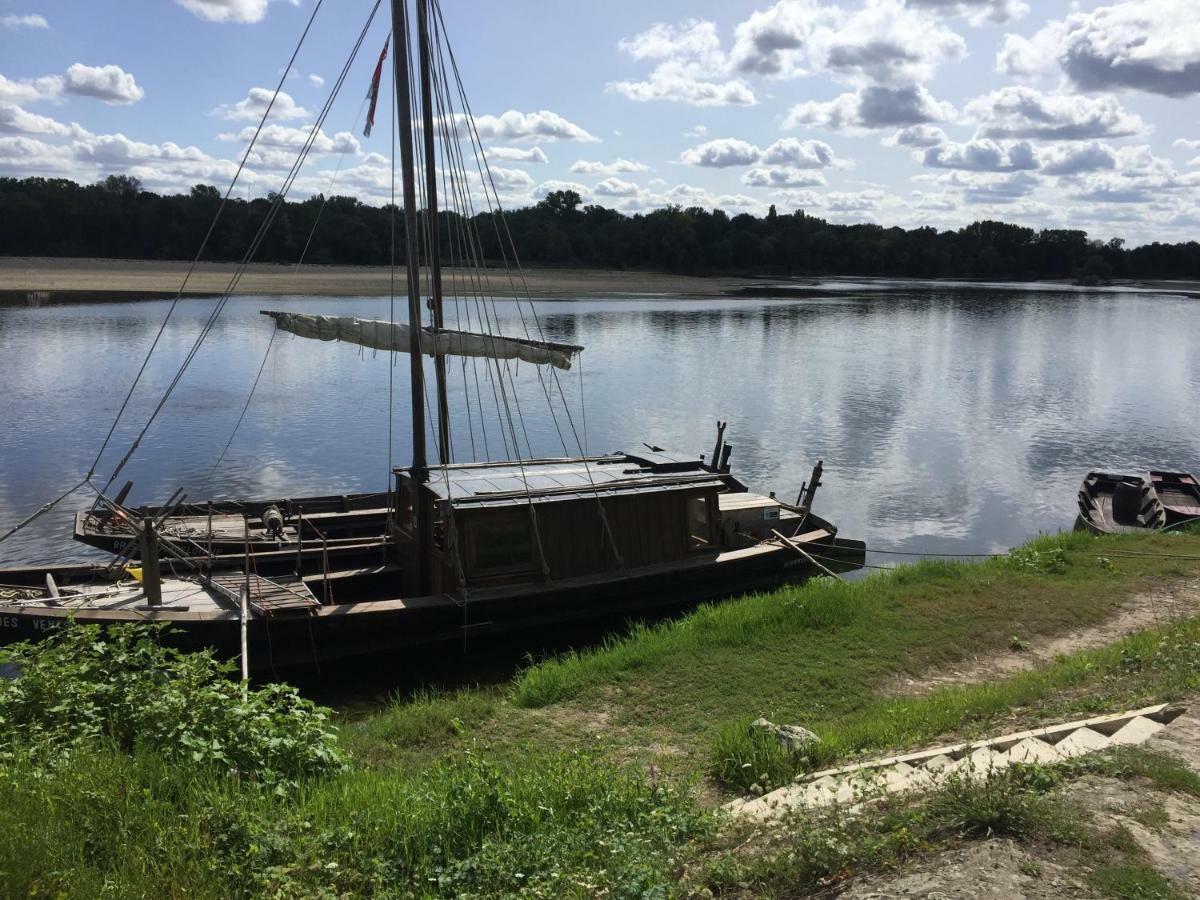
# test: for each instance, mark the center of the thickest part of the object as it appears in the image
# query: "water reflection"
(950, 420)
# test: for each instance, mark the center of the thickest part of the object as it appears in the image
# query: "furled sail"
(394, 336)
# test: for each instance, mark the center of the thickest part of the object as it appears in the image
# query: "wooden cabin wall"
(647, 528)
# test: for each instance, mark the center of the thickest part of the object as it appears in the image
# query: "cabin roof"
(512, 483)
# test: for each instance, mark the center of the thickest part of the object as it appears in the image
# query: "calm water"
(949, 419)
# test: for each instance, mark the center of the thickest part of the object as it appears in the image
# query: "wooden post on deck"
(151, 574)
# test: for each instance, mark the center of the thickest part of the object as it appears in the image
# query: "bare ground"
(99, 276)
(1158, 606)
(1000, 869)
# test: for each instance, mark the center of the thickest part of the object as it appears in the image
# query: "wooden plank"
(266, 597)
(806, 555)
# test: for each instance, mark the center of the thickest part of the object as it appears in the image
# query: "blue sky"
(907, 112)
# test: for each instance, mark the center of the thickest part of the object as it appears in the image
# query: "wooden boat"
(228, 526)
(613, 535)
(1119, 504)
(1179, 494)
(474, 550)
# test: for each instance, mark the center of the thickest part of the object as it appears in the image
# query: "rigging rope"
(264, 228)
(178, 295)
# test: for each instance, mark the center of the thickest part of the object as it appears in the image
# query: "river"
(951, 419)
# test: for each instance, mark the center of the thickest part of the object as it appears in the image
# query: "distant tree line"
(116, 218)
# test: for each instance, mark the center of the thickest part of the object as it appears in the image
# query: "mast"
(422, 506)
(435, 263)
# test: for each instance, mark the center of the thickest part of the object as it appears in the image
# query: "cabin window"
(501, 544)
(770, 513)
(699, 523)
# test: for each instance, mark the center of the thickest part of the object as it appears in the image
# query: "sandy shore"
(96, 276)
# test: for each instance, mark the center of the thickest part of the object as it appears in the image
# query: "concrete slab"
(1081, 741)
(1136, 731)
(1034, 751)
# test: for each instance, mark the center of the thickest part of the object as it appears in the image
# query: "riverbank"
(601, 773)
(163, 278)
(124, 279)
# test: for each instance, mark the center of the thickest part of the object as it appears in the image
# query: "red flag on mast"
(373, 94)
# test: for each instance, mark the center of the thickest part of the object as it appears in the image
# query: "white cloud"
(29, 156)
(1073, 159)
(887, 42)
(698, 132)
(111, 84)
(15, 120)
(1023, 112)
(689, 54)
(800, 154)
(1144, 45)
(286, 137)
(678, 83)
(31, 20)
(722, 152)
(871, 107)
(518, 154)
(1185, 144)
(30, 90)
(618, 166)
(987, 187)
(791, 152)
(109, 149)
(240, 11)
(920, 136)
(983, 155)
(978, 12)
(615, 187)
(316, 80)
(541, 125)
(775, 41)
(782, 177)
(256, 102)
(509, 180)
(554, 184)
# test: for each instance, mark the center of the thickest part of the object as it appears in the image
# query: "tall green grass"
(819, 606)
(112, 824)
(1145, 667)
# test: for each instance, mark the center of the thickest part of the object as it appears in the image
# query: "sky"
(900, 112)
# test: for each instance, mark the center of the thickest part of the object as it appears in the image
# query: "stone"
(792, 738)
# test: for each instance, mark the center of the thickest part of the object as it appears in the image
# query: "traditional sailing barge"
(454, 550)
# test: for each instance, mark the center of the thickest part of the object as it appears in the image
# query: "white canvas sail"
(394, 336)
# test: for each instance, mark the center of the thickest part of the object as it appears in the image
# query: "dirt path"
(1150, 609)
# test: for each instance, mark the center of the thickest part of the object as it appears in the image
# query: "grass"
(1143, 668)
(1134, 881)
(111, 824)
(823, 654)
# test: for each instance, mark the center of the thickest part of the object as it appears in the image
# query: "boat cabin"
(551, 519)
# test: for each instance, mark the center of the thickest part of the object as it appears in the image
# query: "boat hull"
(1118, 504)
(390, 628)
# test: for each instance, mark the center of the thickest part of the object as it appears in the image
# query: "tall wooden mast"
(431, 211)
(422, 504)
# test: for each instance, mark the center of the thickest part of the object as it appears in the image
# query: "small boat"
(1180, 496)
(1119, 504)
(231, 526)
